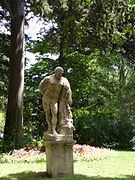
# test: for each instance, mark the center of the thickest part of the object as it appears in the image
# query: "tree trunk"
(14, 116)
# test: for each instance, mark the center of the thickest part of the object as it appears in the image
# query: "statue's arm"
(42, 84)
(69, 92)
(70, 95)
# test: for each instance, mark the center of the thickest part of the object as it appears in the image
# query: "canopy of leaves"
(95, 42)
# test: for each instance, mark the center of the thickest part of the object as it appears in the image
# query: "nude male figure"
(51, 88)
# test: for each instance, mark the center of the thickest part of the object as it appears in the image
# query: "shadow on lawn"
(43, 175)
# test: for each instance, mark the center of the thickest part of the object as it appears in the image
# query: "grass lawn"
(120, 167)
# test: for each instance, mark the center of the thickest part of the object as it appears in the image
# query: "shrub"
(94, 127)
(125, 131)
(101, 127)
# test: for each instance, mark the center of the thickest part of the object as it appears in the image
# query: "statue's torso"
(53, 88)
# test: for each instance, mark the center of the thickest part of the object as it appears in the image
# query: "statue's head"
(58, 72)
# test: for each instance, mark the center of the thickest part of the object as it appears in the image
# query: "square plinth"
(59, 158)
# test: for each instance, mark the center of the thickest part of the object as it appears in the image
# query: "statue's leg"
(46, 106)
(61, 116)
(54, 111)
(48, 120)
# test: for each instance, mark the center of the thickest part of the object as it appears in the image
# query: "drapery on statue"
(57, 98)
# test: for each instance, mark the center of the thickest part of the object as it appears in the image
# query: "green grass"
(122, 166)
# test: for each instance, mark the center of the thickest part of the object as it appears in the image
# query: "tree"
(91, 40)
(14, 114)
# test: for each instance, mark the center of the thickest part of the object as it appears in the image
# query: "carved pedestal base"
(59, 157)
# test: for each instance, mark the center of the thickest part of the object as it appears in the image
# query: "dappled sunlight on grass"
(30, 175)
(118, 167)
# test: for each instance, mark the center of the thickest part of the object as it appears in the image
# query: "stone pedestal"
(59, 157)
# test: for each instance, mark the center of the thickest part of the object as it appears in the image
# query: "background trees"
(94, 43)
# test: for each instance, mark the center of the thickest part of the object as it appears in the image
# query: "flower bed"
(90, 153)
(26, 154)
(35, 155)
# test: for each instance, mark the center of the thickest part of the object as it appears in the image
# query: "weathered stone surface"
(59, 137)
(57, 98)
(59, 156)
(58, 140)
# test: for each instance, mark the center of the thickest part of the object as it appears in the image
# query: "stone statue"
(57, 98)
